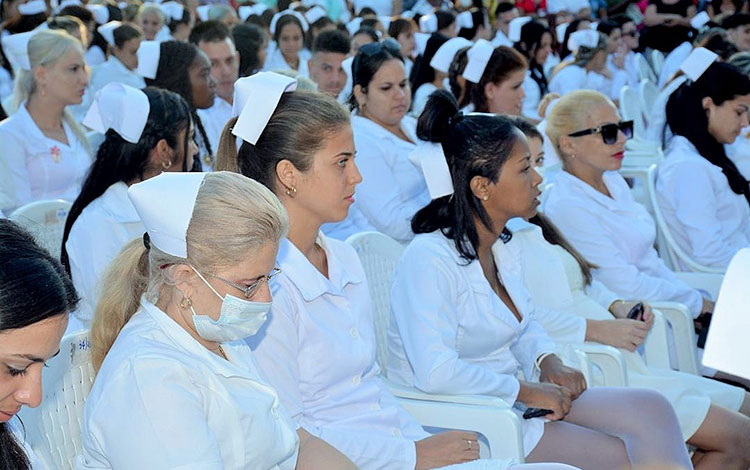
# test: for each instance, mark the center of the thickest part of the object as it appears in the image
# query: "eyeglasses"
(250, 290)
(373, 48)
(608, 131)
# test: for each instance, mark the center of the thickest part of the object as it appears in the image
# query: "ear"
(707, 103)
(489, 91)
(479, 186)
(183, 279)
(309, 64)
(286, 173)
(359, 95)
(40, 74)
(162, 153)
(567, 145)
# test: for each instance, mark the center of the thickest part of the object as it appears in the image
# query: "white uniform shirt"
(161, 400)
(450, 332)
(573, 77)
(35, 167)
(501, 39)
(275, 61)
(97, 236)
(532, 98)
(95, 56)
(214, 119)
(114, 71)
(707, 218)
(318, 349)
(617, 234)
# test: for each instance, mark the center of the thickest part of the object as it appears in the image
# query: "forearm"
(316, 454)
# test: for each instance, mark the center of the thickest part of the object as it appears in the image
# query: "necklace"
(223, 354)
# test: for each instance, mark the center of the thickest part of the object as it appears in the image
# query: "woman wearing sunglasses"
(592, 206)
(704, 197)
(392, 188)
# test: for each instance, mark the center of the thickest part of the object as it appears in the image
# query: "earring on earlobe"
(186, 303)
(43, 92)
(166, 165)
(291, 192)
(486, 198)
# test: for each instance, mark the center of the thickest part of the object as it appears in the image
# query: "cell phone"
(636, 313)
(536, 413)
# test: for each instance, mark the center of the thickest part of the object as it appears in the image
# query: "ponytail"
(226, 154)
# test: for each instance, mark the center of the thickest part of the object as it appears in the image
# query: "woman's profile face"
(506, 97)
(66, 79)
(543, 49)
(202, 84)
(725, 122)
(23, 352)
(589, 152)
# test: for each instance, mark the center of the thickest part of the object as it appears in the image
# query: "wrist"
(594, 331)
(615, 305)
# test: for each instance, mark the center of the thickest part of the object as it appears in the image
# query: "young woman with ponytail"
(44, 153)
(35, 298)
(102, 219)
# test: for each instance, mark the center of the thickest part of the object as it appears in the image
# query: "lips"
(619, 155)
(4, 416)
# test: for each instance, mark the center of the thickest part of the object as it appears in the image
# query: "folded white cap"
(560, 31)
(429, 157)
(165, 205)
(428, 23)
(315, 13)
(149, 53)
(697, 63)
(515, 26)
(16, 47)
(278, 16)
(479, 55)
(255, 100)
(444, 56)
(202, 12)
(66, 3)
(700, 20)
(593, 25)
(34, 7)
(100, 12)
(353, 25)
(119, 107)
(464, 20)
(172, 10)
(108, 31)
(246, 10)
(583, 38)
(420, 42)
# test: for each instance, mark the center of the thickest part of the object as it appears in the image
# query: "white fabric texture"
(16, 428)
(114, 71)
(275, 61)
(214, 119)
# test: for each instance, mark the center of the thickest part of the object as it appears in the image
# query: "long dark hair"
(173, 74)
(686, 117)
(423, 71)
(572, 28)
(503, 62)
(120, 160)
(531, 39)
(33, 287)
(249, 39)
(474, 145)
(456, 69)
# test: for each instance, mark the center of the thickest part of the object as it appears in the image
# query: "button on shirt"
(318, 350)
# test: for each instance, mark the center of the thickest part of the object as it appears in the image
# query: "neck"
(487, 237)
(229, 99)
(589, 175)
(46, 112)
(170, 304)
(303, 230)
(396, 130)
(291, 60)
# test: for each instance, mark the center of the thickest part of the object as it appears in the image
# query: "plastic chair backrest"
(649, 95)
(677, 255)
(644, 70)
(45, 220)
(53, 430)
(630, 108)
(379, 254)
(657, 61)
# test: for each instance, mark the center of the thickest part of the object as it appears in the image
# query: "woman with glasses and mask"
(176, 385)
(592, 206)
(392, 188)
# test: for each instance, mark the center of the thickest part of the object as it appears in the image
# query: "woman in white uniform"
(102, 219)
(122, 62)
(497, 86)
(318, 347)
(703, 196)
(462, 322)
(151, 20)
(287, 51)
(43, 151)
(176, 386)
(426, 78)
(575, 307)
(35, 298)
(535, 43)
(592, 206)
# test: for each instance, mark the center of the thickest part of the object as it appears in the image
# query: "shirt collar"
(576, 185)
(371, 127)
(115, 199)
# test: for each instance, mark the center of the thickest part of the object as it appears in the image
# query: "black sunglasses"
(608, 131)
(390, 45)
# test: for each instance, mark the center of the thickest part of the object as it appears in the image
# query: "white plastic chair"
(649, 95)
(53, 430)
(46, 221)
(657, 61)
(630, 110)
(644, 69)
(490, 416)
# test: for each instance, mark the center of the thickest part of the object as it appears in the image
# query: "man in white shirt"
(738, 30)
(215, 39)
(504, 14)
(329, 50)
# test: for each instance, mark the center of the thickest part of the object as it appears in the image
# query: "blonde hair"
(570, 115)
(45, 48)
(544, 103)
(233, 216)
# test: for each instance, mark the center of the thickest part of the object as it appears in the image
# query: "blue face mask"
(238, 318)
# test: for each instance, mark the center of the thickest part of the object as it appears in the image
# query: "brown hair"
(503, 62)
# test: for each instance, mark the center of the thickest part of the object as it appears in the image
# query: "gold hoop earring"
(166, 165)
(291, 192)
(43, 92)
(186, 303)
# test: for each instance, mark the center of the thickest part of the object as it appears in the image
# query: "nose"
(356, 176)
(536, 178)
(30, 391)
(744, 119)
(263, 294)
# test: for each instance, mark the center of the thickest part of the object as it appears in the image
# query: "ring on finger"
(470, 443)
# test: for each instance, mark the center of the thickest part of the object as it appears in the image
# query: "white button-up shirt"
(275, 61)
(97, 236)
(617, 234)
(114, 71)
(532, 98)
(161, 400)
(707, 218)
(573, 77)
(450, 332)
(34, 167)
(318, 349)
(214, 119)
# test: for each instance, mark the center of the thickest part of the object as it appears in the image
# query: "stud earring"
(166, 165)
(486, 198)
(291, 192)
(186, 303)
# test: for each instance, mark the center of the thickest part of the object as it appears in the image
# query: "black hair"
(720, 45)
(366, 11)
(65, 23)
(686, 116)
(455, 70)
(125, 33)
(423, 72)
(607, 26)
(209, 31)
(173, 24)
(572, 28)
(369, 23)
(79, 12)
(24, 23)
(249, 40)
(502, 63)
(400, 25)
(531, 39)
(120, 160)
(445, 18)
(504, 7)
(474, 145)
(368, 31)
(621, 19)
(314, 30)
(478, 17)
(285, 20)
(527, 127)
(331, 41)
(34, 288)
(736, 20)
(173, 74)
(263, 20)
(365, 66)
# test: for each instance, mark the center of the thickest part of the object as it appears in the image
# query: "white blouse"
(35, 167)
(532, 98)
(16, 428)
(214, 119)
(708, 220)
(275, 61)
(573, 77)
(97, 236)
(617, 234)
(114, 71)
(161, 400)
(450, 332)
(318, 349)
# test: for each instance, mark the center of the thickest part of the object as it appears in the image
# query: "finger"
(465, 435)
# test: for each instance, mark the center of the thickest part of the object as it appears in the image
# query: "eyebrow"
(346, 154)
(33, 358)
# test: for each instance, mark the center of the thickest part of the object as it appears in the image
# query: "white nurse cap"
(119, 107)
(255, 100)
(444, 56)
